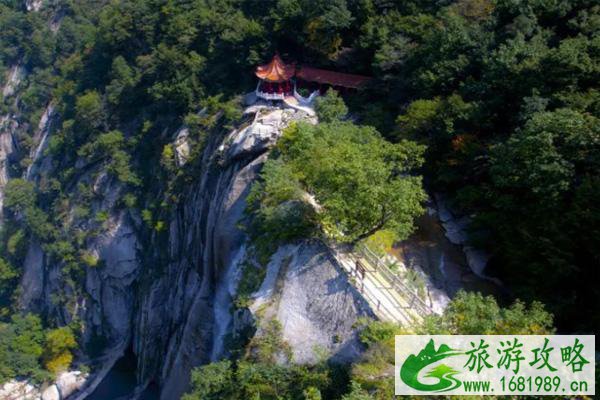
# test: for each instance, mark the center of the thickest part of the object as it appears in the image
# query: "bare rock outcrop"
(310, 295)
(65, 385)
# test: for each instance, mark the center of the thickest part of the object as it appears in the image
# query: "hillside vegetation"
(256, 376)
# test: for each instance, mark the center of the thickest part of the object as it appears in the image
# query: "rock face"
(70, 382)
(33, 5)
(310, 295)
(51, 393)
(65, 385)
(8, 127)
(14, 78)
(6, 148)
(205, 243)
(41, 139)
(456, 231)
(111, 287)
(182, 147)
(168, 296)
(19, 390)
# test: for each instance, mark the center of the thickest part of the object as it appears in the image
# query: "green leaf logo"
(413, 365)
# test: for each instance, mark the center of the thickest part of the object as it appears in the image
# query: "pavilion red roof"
(331, 78)
(276, 70)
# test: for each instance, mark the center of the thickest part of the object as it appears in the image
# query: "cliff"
(168, 297)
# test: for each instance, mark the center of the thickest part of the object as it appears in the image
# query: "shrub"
(378, 331)
(90, 110)
(19, 195)
(211, 382)
(330, 107)
(16, 244)
(279, 214)
(381, 242)
(21, 345)
(57, 353)
(252, 278)
(89, 259)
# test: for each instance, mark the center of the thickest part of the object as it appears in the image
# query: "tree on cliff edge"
(362, 182)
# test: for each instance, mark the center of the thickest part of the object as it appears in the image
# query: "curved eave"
(275, 71)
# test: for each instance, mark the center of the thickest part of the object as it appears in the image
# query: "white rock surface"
(51, 393)
(40, 139)
(70, 382)
(259, 136)
(310, 295)
(66, 384)
(19, 390)
(6, 149)
(182, 146)
(14, 78)
(33, 5)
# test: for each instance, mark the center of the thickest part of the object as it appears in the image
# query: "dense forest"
(496, 103)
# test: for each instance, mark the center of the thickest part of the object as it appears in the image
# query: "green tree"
(324, 25)
(21, 346)
(8, 282)
(330, 107)
(357, 393)
(19, 195)
(534, 175)
(57, 351)
(312, 393)
(279, 213)
(361, 181)
(104, 146)
(419, 117)
(89, 109)
(474, 314)
(468, 314)
(531, 164)
(212, 382)
(110, 147)
(378, 331)
(7, 275)
(124, 79)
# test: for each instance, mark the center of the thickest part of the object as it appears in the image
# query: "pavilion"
(279, 80)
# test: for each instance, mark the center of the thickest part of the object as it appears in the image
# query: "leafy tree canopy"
(330, 107)
(361, 181)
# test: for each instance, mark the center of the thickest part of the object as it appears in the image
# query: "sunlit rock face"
(8, 127)
(206, 246)
(34, 5)
(66, 384)
(6, 149)
(168, 296)
(309, 294)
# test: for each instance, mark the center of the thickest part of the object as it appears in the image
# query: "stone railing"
(270, 96)
(305, 100)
